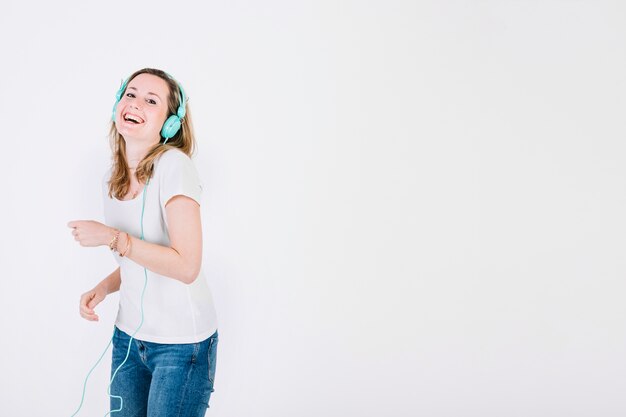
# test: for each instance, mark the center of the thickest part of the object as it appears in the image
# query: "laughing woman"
(165, 335)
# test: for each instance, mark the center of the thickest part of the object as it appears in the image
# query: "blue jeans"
(162, 380)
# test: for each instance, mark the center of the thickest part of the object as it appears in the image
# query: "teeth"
(132, 118)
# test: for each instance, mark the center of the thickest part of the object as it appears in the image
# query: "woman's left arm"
(181, 260)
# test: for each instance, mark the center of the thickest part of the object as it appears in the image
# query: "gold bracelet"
(113, 242)
(128, 241)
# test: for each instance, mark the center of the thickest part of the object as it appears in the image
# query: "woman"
(165, 336)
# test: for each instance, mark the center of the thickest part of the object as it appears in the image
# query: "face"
(141, 112)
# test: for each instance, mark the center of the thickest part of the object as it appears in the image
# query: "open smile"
(132, 118)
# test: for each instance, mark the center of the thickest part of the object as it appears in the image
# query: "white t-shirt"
(174, 312)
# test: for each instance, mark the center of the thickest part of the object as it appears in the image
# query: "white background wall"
(411, 208)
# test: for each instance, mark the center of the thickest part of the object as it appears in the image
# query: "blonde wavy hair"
(119, 183)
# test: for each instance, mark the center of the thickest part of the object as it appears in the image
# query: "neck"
(136, 151)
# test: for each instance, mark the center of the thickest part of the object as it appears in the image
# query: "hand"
(91, 233)
(89, 300)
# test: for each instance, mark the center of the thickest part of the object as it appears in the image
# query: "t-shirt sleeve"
(178, 176)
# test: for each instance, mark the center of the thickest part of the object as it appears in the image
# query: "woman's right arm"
(93, 297)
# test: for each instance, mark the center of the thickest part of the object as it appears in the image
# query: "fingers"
(90, 232)
(89, 316)
(80, 234)
(74, 225)
(85, 310)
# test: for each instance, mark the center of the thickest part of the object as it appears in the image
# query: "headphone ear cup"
(170, 127)
(113, 114)
(118, 97)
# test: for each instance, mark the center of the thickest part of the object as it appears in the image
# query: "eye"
(151, 101)
(130, 95)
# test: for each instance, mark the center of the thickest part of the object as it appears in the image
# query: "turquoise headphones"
(172, 124)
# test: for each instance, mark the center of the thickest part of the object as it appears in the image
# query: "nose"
(133, 102)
